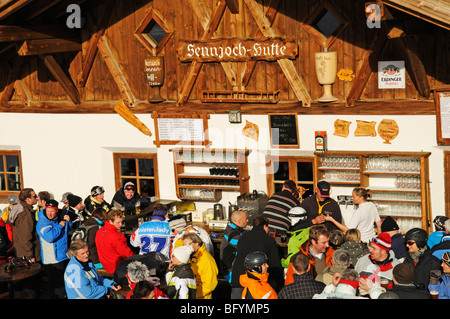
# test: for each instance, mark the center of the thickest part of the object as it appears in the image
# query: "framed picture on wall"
(442, 104)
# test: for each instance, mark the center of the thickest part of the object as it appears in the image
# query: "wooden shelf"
(391, 173)
(369, 176)
(186, 176)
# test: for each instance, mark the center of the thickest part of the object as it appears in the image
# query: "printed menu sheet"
(445, 114)
(180, 129)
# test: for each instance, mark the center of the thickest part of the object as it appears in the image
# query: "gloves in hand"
(435, 275)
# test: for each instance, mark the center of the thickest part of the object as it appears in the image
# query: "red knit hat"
(383, 240)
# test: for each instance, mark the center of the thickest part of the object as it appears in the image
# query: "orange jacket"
(256, 284)
(305, 250)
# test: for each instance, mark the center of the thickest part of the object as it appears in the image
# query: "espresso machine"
(253, 204)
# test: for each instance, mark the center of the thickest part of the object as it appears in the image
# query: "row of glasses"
(413, 197)
(407, 181)
(405, 224)
(339, 161)
(199, 156)
(208, 182)
(195, 193)
(393, 164)
(336, 175)
(399, 209)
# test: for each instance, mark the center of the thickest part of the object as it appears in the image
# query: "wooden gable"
(47, 67)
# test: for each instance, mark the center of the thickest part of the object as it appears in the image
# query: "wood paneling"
(191, 20)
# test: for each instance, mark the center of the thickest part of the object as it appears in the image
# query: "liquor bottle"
(321, 141)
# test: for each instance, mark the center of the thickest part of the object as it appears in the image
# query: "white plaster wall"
(73, 152)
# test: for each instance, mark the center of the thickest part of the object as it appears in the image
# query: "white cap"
(183, 253)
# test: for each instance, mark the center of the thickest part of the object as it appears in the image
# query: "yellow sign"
(251, 130)
(345, 75)
(341, 128)
(364, 128)
(388, 130)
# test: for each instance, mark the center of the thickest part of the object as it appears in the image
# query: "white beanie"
(183, 253)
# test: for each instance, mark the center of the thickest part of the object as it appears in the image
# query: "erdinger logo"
(391, 70)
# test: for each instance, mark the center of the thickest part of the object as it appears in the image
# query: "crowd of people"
(85, 255)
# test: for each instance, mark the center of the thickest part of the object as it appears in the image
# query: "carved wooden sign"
(388, 130)
(341, 128)
(236, 49)
(154, 69)
(364, 128)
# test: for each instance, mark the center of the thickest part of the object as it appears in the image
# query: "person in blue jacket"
(52, 234)
(441, 282)
(81, 278)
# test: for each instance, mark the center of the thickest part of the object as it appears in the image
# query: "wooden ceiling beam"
(14, 74)
(22, 92)
(233, 5)
(93, 45)
(114, 68)
(61, 77)
(10, 33)
(369, 107)
(364, 72)
(287, 66)
(7, 11)
(196, 66)
(270, 14)
(49, 46)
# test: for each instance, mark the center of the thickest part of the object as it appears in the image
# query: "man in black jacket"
(228, 245)
(257, 239)
(321, 204)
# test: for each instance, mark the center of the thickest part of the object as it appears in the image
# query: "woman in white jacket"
(364, 217)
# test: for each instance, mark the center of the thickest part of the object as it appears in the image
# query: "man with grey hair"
(340, 261)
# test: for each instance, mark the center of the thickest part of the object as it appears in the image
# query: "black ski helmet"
(419, 235)
(254, 261)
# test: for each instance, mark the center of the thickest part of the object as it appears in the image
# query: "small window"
(139, 168)
(11, 180)
(300, 169)
(327, 24)
(155, 31)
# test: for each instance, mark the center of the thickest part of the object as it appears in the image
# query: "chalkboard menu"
(283, 130)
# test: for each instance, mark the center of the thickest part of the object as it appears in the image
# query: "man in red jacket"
(111, 244)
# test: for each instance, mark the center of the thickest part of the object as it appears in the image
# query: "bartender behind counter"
(127, 198)
(321, 204)
(279, 205)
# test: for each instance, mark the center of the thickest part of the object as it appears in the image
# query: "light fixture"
(234, 116)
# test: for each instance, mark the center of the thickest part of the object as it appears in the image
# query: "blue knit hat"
(159, 215)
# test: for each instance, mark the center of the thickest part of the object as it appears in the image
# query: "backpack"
(81, 233)
(295, 241)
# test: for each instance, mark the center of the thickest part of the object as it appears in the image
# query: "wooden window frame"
(17, 153)
(117, 171)
(292, 160)
(320, 38)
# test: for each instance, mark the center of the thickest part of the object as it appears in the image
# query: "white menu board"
(181, 129)
(445, 114)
